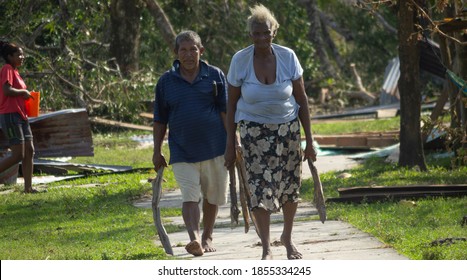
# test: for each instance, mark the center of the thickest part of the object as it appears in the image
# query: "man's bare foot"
(207, 246)
(194, 248)
(292, 252)
(267, 255)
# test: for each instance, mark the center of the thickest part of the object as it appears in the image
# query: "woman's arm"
(8, 90)
(304, 116)
(234, 94)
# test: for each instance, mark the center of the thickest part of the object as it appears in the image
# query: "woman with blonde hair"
(267, 99)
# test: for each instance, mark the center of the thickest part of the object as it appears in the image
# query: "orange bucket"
(32, 104)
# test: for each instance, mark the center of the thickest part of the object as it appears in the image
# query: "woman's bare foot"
(267, 255)
(207, 245)
(292, 252)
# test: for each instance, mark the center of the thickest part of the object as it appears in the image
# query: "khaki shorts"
(206, 179)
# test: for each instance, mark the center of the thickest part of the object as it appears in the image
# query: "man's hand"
(158, 160)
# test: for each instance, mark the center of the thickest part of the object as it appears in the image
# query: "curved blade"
(156, 213)
(318, 197)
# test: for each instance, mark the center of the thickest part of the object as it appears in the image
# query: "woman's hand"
(310, 152)
(26, 94)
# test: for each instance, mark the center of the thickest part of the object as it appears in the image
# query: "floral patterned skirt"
(272, 155)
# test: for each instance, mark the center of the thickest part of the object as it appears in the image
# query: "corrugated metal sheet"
(58, 167)
(430, 59)
(389, 92)
(60, 134)
(429, 62)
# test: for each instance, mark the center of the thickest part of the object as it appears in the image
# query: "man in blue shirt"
(190, 100)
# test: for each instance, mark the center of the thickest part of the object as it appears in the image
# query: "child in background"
(13, 118)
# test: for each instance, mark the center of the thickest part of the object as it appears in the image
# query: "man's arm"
(159, 132)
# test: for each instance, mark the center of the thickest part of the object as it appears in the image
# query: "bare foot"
(34, 191)
(207, 246)
(194, 248)
(292, 252)
(267, 255)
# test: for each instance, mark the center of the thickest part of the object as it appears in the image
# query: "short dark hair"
(188, 35)
(7, 49)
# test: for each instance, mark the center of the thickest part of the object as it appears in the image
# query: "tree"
(162, 22)
(411, 147)
(107, 55)
(125, 34)
(316, 37)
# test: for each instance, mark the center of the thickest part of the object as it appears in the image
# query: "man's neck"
(189, 75)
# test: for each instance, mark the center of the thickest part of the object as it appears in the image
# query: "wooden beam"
(98, 120)
(147, 115)
(358, 140)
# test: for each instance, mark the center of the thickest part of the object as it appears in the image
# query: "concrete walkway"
(333, 240)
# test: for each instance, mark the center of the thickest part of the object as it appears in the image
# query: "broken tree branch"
(362, 93)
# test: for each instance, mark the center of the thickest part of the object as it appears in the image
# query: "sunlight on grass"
(342, 127)
(99, 221)
(410, 230)
(80, 223)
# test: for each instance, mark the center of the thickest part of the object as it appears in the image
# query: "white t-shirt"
(268, 104)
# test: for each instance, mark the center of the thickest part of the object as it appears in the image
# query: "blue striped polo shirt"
(192, 113)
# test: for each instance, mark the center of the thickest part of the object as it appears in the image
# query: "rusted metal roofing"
(60, 134)
(381, 193)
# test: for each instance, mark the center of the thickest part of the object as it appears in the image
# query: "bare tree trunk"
(316, 38)
(461, 101)
(328, 21)
(125, 34)
(335, 52)
(162, 22)
(72, 85)
(411, 147)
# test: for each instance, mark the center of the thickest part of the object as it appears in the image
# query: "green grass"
(411, 230)
(100, 222)
(80, 223)
(345, 126)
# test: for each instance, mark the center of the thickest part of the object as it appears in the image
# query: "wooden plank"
(98, 120)
(147, 115)
(379, 142)
(358, 140)
(351, 141)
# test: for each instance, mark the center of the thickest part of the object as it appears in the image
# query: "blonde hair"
(261, 14)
